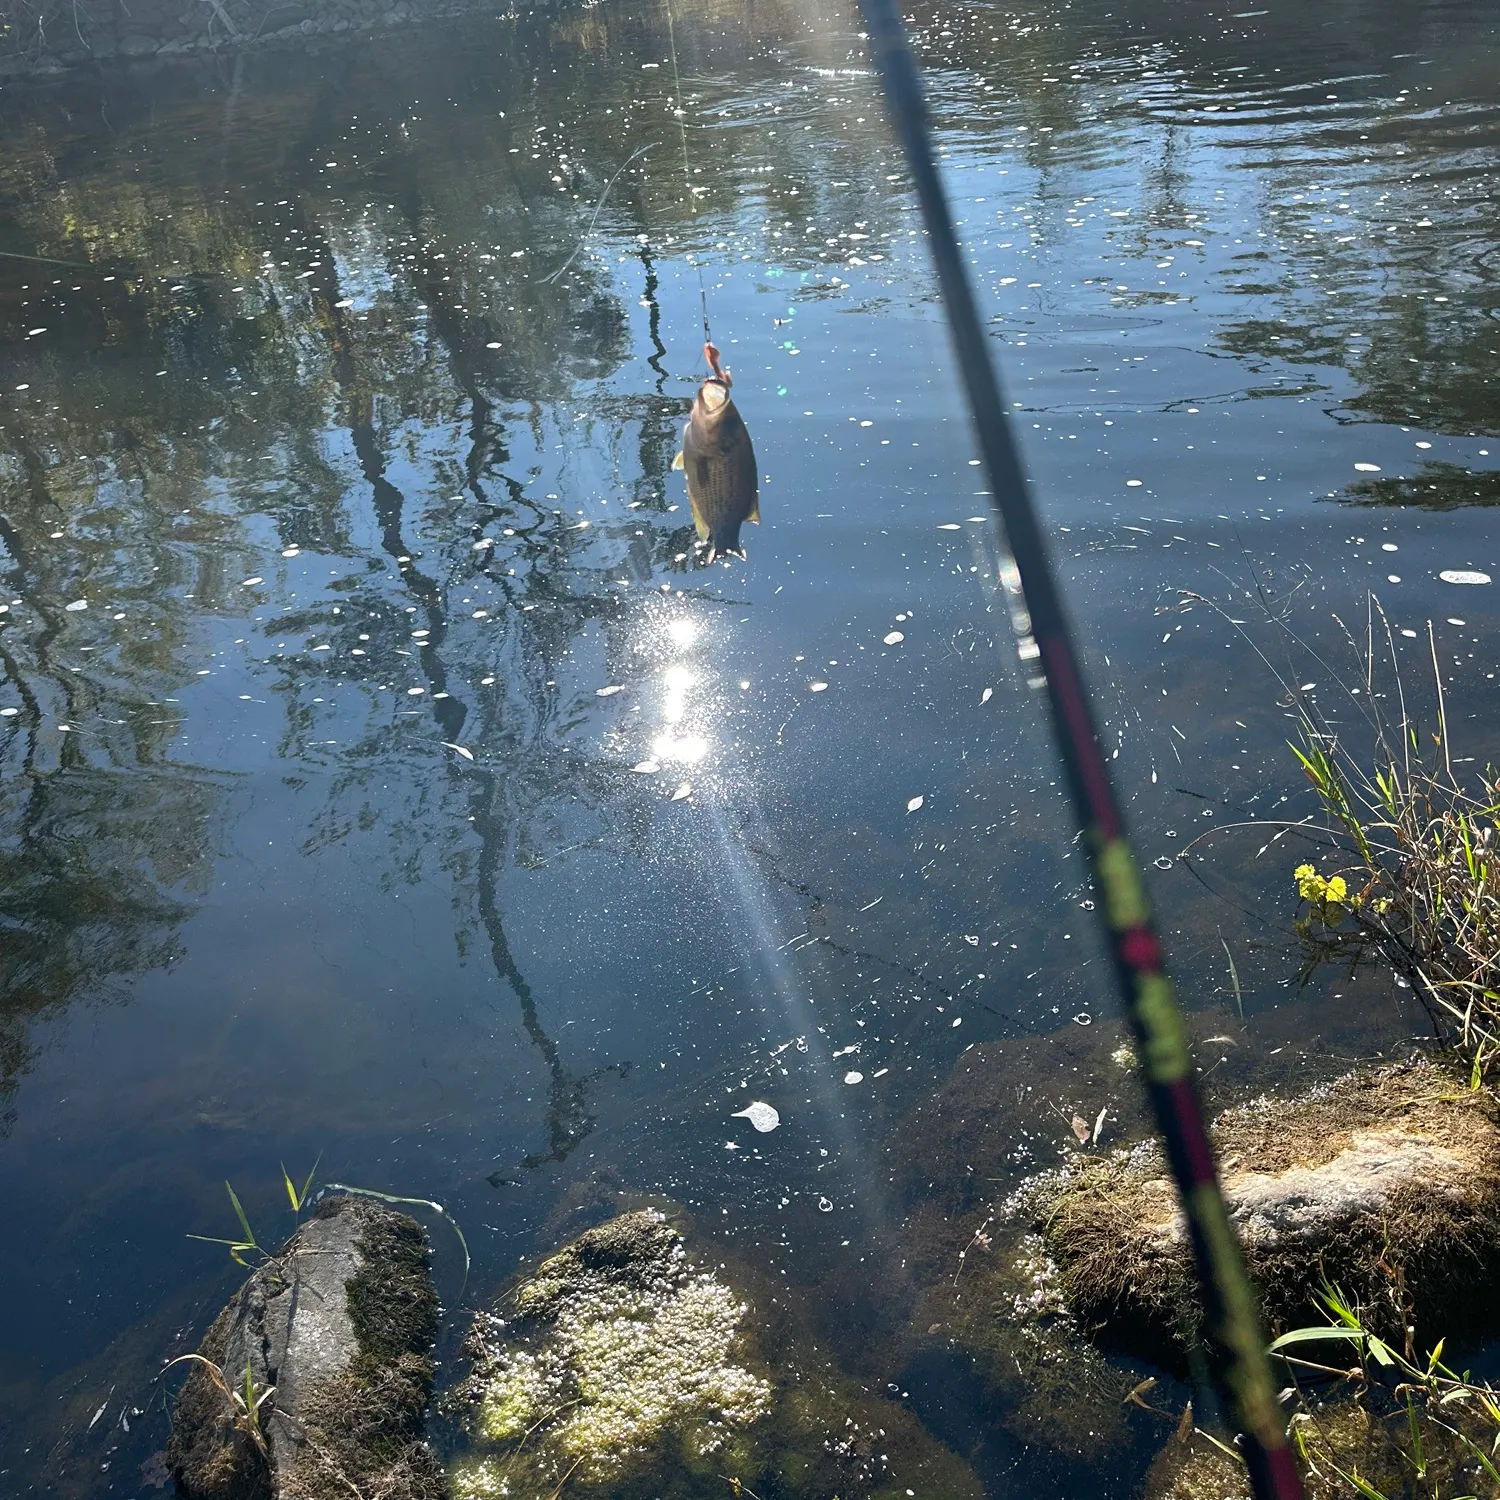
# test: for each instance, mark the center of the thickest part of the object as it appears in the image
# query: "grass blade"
(437, 1208)
(244, 1222)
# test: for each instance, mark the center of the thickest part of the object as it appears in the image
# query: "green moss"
(511, 1402)
(392, 1303)
(633, 1375)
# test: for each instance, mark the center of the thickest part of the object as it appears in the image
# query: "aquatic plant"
(1400, 1424)
(246, 1244)
(244, 1401)
(1411, 881)
(621, 1370)
(1417, 883)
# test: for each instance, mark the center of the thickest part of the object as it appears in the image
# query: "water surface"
(384, 785)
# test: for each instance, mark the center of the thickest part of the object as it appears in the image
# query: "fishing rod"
(1232, 1328)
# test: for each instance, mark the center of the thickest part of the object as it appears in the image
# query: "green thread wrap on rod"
(1232, 1327)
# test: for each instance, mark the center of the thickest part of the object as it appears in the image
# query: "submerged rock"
(622, 1370)
(338, 1328)
(1385, 1185)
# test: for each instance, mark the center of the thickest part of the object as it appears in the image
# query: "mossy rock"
(339, 1328)
(624, 1371)
(1383, 1184)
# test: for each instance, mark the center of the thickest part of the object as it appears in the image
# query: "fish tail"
(718, 549)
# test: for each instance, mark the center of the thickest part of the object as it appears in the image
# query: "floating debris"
(685, 790)
(764, 1117)
(647, 767)
(915, 803)
(1463, 575)
(76, 605)
(853, 1077)
(985, 696)
(817, 687)
(1081, 1129)
(462, 750)
(610, 691)
(894, 638)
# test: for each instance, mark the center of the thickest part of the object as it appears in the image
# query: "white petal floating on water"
(817, 687)
(1368, 468)
(76, 605)
(950, 526)
(291, 551)
(610, 691)
(1099, 1123)
(763, 1116)
(894, 638)
(462, 750)
(685, 790)
(1463, 575)
(986, 695)
(915, 803)
(647, 767)
(853, 1077)
(9, 713)
(251, 582)
(415, 692)
(1133, 484)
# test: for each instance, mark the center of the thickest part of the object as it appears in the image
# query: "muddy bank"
(330, 1342)
(1385, 1184)
(628, 1368)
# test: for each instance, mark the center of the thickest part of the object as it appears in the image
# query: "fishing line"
(1235, 1342)
(687, 170)
(598, 209)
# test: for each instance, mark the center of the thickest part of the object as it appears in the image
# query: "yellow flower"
(1302, 872)
(1336, 890)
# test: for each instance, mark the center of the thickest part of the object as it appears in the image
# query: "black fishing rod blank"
(1233, 1336)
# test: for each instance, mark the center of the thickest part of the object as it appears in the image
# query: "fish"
(718, 461)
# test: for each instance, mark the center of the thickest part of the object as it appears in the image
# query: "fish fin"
(678, 463)
(755, 512)
(699, 524)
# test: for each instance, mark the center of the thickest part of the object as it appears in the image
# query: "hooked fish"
(719, 462)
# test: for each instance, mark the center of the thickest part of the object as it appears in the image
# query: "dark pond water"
(384, 786)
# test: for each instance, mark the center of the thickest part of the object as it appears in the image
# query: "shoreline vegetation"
(1367, 1275)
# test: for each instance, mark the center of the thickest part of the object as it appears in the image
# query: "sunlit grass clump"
(1416, 884)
